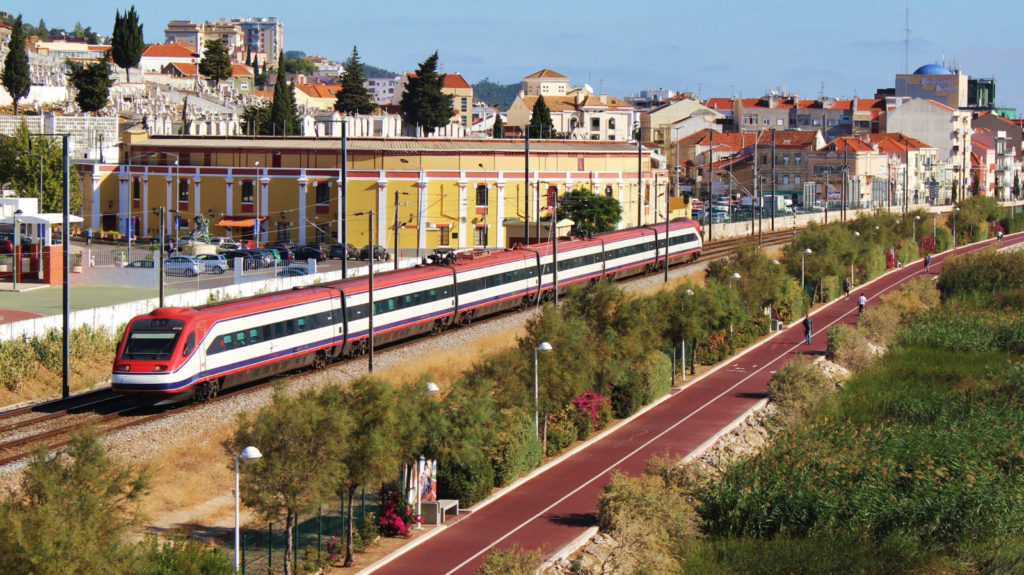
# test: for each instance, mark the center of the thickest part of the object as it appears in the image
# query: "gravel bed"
(141, 443)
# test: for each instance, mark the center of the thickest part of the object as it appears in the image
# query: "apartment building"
(545, 83)
(259, 38)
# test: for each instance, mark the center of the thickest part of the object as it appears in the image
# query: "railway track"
(52, 423)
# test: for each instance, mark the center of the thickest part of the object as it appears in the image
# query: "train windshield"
(152, 339)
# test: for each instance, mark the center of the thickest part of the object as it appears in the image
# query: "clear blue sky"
(722, 48)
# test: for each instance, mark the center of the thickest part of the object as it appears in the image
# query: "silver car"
(213, 263)
(182, 266)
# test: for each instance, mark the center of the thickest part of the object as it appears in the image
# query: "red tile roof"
(451, 81)
(175, 50)
(318, 90)
(547, 73)
(850, 143)
(185, 68)
(241, 70)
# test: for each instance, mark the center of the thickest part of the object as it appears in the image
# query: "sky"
(721, 48)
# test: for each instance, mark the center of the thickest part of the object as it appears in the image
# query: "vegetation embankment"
(913, 466)
(611, 354)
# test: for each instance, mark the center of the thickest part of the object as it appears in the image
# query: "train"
(176, 354)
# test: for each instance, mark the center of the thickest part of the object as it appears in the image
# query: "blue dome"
(933, 69)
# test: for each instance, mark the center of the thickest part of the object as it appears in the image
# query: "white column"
(95, 218)
(197, 204)
(300, 218)
(229, 197)
(123, 199)
(618, 193)
(382, 211)
(338, 212)
(421, 214)
(463, 223)
(499, 211)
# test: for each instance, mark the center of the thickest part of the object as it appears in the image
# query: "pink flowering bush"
(395, 514)
(590, 411)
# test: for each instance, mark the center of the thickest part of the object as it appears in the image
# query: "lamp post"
(856, 234)
(257, 224)
(249, 455)
(544, 346)
(734, 277)
(419, 209)
(682, 346)
(17, 246)
(40, 175)
(916, 218)
(955, 210)
(803, 256)
(369, 214)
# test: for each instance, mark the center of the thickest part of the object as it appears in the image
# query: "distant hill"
(375, 72)
(500, 96)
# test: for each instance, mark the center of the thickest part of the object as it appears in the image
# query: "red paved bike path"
(552, 508)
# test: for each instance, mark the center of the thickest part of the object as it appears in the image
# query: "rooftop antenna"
(906, 43)
(821, 95)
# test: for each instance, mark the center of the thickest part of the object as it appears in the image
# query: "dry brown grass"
(42, 384)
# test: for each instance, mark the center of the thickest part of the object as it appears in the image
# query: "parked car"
(303, 253)
(280, 244)
(275, 258)
(227, 246)
(380, 253)
(213, 263)
(6, 247)
(183, 266)
(338, 251)
(142, 264)
(263, 258)
(284, 255)
(248, 259)
(220, 240)
(293, 272)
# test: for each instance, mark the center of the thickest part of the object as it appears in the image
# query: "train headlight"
(124, 367)
(159, 368)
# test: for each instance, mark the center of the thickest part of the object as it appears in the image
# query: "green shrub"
(515, 449)
(848, 347)
(514, 561)
(799, 387)
(628, 395)
(181, 554)
(468, 475)
(49, 350)
(88, 342)
(560, 431)
(985, 272)
(15, 363)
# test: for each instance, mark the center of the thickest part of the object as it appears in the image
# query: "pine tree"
(92, 82)
(16, 74)
(498, 131)
(541, 124)
(284, 117)
(354, 98)
(423, 104)
(216, 63)
(42, 31)
(126, 42)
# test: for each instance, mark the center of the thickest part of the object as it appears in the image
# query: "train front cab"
(156, 360)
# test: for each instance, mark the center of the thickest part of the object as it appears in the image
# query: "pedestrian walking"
(88, 237)
(861, 302)
(807, 328)
(999, 236)
(927, 262)
(846, 287)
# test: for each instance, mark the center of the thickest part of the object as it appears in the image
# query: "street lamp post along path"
(249, 455)
(544, 346)
(803, 257)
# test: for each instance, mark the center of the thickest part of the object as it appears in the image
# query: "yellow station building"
(442, 193)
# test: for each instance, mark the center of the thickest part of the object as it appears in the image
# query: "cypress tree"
(423, 103)
(498, 131)
(126, 42)
(284, 117)
(16, 75)
(541, 123)
(354, 98)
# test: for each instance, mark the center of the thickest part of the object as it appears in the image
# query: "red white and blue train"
(174, 354)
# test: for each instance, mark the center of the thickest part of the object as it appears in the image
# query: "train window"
(190, 344)
(300, 324)
(290, 327)
(279, 329)
(254, 335)
(240, 339)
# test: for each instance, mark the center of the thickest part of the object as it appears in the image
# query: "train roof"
(496, 257)
(391, 278)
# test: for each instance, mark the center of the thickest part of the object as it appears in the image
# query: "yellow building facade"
(441, 193)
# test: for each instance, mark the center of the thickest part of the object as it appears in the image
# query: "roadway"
(558, 503)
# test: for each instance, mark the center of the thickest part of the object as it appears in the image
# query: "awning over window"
(238, 222)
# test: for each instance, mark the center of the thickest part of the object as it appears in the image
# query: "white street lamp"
(249, 455)
(955, 210)
(17, 246)
(544, 346)
(856, 234)
(803, 256)
(682, 346)
(916, 218)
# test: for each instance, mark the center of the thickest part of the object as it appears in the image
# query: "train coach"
(175, 354)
